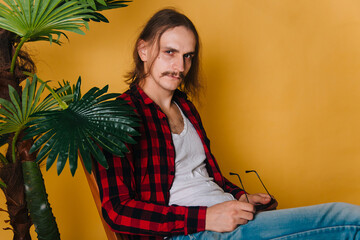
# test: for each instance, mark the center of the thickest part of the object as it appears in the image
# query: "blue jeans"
(331, 221)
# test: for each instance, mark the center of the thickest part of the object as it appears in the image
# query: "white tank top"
(192, 185)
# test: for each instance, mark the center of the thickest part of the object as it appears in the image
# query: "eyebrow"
(176, 50)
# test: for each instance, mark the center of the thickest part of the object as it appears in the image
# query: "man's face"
(171, 61)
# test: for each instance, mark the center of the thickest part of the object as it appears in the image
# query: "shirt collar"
(140, 94)
(137, 90)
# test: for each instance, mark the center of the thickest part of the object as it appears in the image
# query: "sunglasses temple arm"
(231, 173)
(260, 181)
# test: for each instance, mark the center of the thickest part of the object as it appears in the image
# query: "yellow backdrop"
(282, 96)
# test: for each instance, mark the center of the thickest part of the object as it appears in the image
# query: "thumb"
(260, 198)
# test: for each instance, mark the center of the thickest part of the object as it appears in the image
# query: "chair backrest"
(111, 235)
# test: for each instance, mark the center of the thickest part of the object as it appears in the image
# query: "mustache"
(173, 74)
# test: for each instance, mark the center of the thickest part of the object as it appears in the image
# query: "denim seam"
(308, 232)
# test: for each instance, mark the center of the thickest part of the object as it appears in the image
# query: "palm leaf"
(2, 184)
(3, 159)
(112, 4)
(90, 122)
(66, 90)
(4, 139)
(101, 5)
(36, 20)
(15, 114)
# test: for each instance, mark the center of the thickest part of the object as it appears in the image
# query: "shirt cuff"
(239, 194)
(195, 220)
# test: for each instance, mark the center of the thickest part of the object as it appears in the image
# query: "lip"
(174, 77)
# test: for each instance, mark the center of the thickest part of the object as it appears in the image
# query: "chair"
(111, 235)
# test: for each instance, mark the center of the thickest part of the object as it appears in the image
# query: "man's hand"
(259, 198)
(226, 216)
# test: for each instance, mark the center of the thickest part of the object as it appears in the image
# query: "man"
(170, 185)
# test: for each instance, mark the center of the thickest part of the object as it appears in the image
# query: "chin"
(172, 88)
(173, 85)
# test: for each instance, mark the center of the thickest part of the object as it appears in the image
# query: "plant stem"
(61, 103)
(13, 61)
(2, 184)
(13, 144)
(3, 159)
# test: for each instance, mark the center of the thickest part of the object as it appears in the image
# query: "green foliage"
(3, 140)
(37, 202)
(2, 184)
(35, 20)
(89, 122)
(15, 114)
(69, 90)
(3, 160)
(100, 5)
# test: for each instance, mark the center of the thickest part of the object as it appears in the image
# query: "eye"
(169, 52)
(188, 56)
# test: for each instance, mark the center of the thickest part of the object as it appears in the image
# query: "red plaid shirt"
(134, 190)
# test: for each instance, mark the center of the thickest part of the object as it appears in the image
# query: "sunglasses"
(258, 207)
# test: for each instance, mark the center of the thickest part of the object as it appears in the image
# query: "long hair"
(159, 23)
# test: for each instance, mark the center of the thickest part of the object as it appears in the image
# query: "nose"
(178, 64)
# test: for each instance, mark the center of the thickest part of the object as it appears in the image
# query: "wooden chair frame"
(111, 235)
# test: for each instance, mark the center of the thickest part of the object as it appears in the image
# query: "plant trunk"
(38, 203)
(36, 196)
(6, 78)
(11, 173)
(20, 221)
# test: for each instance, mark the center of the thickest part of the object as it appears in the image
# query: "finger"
(243, 222)
(259, 198)
(247, 216)
(271, 207)
(244, 206)
(244, 218)
(263, 194)
(265, 198)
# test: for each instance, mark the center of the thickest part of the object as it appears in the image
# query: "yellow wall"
(282, 97)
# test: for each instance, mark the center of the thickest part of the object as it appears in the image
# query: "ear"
(142, 49)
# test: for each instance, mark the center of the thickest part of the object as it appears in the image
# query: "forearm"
(126, 212)
(233, 189)
(143, 218)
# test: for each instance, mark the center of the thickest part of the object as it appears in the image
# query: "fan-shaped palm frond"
(100, 5)
(15, 114)
(90, 122)
(40, 19)
(69, 90)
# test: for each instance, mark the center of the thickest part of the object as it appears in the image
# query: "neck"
(160, 96)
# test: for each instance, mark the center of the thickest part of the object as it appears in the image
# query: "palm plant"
(64, 124)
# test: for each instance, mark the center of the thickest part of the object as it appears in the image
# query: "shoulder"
(186, 105)
(182, 99)
(130, 96)
(180, 94)
(126, 95)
